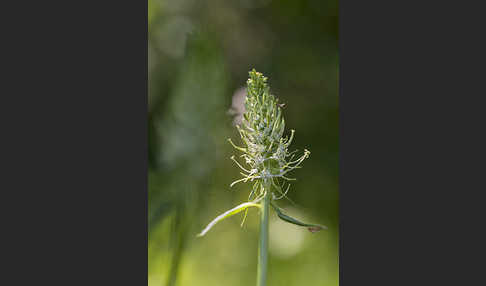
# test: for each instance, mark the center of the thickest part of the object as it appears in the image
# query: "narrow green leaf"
(228, 213)
(284, 217)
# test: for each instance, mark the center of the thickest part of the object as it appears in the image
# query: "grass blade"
(289, 219)
(228, 213)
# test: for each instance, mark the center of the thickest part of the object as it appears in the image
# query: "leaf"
(284, 217)
(228, 213)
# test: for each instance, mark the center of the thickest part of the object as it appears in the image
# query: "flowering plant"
(268, 161)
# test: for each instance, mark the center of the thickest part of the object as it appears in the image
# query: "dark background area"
(200, 53)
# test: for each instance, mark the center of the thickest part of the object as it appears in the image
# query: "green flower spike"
(267, 159)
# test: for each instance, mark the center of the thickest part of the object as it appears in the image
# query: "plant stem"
(263, 247)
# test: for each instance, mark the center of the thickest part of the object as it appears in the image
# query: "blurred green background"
(199, 55)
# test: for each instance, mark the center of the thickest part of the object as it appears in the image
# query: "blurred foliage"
(200, 53)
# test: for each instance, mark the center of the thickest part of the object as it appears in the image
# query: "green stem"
(263, 247)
